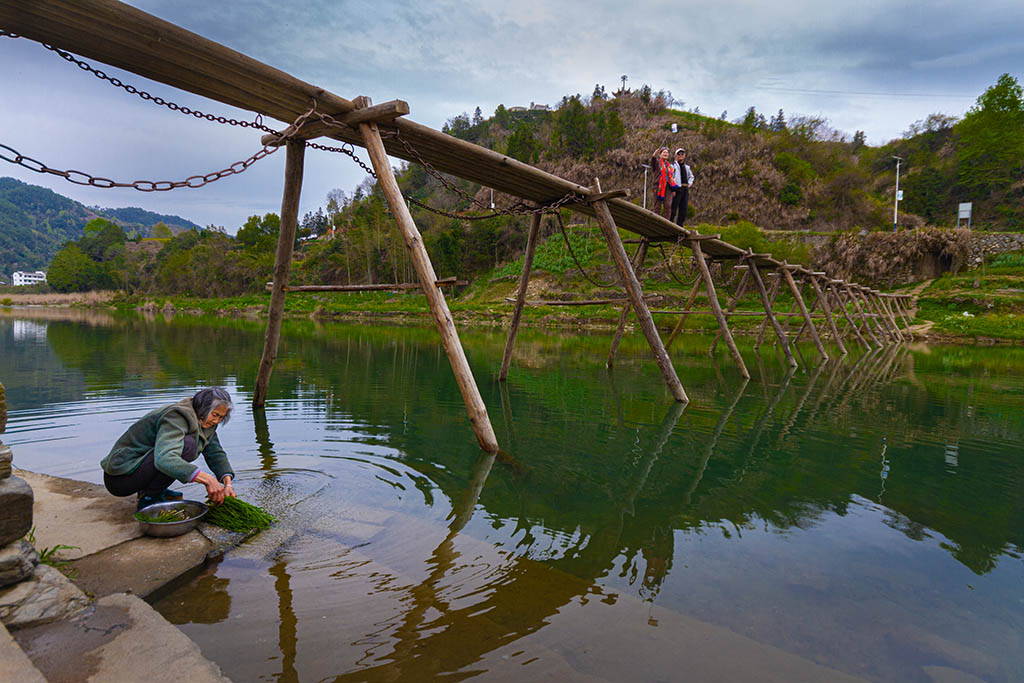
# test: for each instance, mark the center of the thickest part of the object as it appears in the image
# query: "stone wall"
(982, 245)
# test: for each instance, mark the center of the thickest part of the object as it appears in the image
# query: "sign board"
(675, 128)
(965, 210)
(899, 195)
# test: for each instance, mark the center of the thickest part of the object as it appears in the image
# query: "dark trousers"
(663, 205)
(147, 479)
(680, 204)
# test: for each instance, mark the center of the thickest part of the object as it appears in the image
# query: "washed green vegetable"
(234, 514)
(163, 517)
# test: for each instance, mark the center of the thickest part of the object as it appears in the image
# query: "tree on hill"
(991, 146)
(161, 231)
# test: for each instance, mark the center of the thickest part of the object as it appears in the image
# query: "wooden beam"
(860, 312)
(756, 273)
(820, 296)
(803, 310)
(741, 289)
(682, 321)
(425, 270)
(524, 281)
(584, 302)
(404, 286)
(777, 280)
(314, 128)
(295, 151)
(604, 196)
(716, 308)
(618, 252)
(638, 262)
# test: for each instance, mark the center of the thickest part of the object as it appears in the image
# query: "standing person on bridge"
(664, 181)
(681, 197)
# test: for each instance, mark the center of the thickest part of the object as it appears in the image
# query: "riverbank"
(984, 306)
(97, 624)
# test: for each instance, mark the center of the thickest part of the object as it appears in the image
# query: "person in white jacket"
(683, 180)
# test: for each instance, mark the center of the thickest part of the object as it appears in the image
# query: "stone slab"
(47, 596)
(14, 663)
(17, 562)
(120, 640)
(6, 456)
(141, 565)
(15, 509)
(77, 513)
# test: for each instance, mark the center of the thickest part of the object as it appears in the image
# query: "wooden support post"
(828, 313)
(755, 273)
(897, 304)
(832, 288)
(741, 289)
(803, 310)
(860, 312)
(632, 285)
(686, 307)
(716, 308)
(524, 280)
(771, 302)
(425, 270)
(881, 319)
(296, 152)
(885, 302)
(638, 262)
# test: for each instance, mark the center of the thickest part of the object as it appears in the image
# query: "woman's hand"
(214, 489)
(229, 491)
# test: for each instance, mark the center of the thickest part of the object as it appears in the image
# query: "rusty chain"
(80, 178)
(194, 181)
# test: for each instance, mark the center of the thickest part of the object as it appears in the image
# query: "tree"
(478, 117)
(859, 140)
(571, 135)
(502, 117)
(991, 149)
(777, 122)
(259, 234)
(749, 120)
(599, 93)
(161, 231)
(71, 270)
(522, 144)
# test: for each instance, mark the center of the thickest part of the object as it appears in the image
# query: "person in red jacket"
(664, 184)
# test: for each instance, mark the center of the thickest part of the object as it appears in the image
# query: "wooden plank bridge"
(125, 37)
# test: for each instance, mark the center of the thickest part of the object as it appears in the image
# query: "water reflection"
(799, 510)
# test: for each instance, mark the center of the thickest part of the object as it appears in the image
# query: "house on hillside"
(21, 278)
(517, 109)
(539, 107)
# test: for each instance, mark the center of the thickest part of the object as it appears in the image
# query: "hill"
(36, 221)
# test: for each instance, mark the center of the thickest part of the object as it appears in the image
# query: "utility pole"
(896, 204)
(646, 168)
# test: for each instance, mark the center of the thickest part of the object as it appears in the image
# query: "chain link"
(194, 181)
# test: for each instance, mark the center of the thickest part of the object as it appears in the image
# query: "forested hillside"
(779, 172)
(35, 222)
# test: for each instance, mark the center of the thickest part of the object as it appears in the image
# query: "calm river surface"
(861, 519)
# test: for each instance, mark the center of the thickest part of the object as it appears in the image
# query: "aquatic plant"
(234, 514)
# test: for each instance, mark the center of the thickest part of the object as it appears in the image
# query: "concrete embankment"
(96, 627)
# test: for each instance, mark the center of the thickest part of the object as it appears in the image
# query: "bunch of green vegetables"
(163, 516)
(234, 514)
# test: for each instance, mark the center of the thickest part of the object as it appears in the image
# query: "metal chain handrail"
(668, 265)
(579, 266)
(194, 181)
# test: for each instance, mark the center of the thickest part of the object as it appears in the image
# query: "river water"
(860, 519)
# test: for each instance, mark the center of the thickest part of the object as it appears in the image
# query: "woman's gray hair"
(209, 398)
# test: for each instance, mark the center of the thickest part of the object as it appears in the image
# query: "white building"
(19, 278)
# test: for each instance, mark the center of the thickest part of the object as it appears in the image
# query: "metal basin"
(193, 508)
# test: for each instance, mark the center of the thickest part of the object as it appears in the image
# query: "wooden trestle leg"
(425, 270)
(524, 280)
(860, 312)
(771, 302)
(741, 289)
(783, 341)
(716, 308)
(682, 318)
(803, 311)
(296, 153)
(638, 262)
(632, 285)
(828, 313)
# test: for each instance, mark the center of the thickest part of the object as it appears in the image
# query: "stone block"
(5, 460)
(15, 509)
(47, 596)
(17, 561)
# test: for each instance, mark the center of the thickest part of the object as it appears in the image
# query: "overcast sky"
(872, 65)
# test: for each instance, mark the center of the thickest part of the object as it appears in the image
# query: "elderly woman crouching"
(161, 446)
